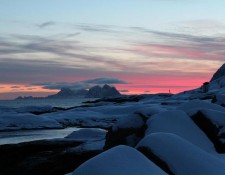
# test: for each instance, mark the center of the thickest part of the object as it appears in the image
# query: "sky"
(138, 46)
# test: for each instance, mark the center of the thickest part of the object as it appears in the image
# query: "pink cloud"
(173, 51)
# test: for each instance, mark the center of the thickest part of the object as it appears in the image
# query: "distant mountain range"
(94, 92)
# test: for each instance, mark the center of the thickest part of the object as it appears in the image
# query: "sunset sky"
(139, 46)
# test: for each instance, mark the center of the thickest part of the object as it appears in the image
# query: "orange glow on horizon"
(7, 88)
(143, 84)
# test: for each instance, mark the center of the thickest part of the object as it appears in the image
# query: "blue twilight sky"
(128, 13)
(152, 45)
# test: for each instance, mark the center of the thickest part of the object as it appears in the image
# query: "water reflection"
(31, 135)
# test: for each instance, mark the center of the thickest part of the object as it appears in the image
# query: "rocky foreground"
(160, 134)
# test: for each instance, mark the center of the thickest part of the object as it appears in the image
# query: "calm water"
(31, 135)
(65, 103)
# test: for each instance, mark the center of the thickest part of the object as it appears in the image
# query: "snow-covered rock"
(131, 122)
(217, 85)
(104, 116)
(213, 124)
(180, 156)
(194, 106)
(128, 130)
(93, 140)
(83, 117)
(120, 160)
(216, 117)
(220, 98)
(149, 110)
(16, 121)
(179, 123)
(87, 134)
(28, 109)
(121, 109)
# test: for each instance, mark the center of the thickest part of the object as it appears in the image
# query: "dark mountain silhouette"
(64, 92)
(69, 93)
(102, 92)
(94, 92)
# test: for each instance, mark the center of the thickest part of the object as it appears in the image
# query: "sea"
(64, 103)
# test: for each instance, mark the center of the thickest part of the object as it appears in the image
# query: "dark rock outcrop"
(121, 99)
(210, 129)
(126, 132)
(44, 157)
(151, 156)
(219, 73)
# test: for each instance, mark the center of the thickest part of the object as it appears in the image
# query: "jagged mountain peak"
(101, 92)
(94, 92)
(66, 92)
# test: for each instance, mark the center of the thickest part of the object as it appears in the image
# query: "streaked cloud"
(124, 90)
(106, 81)
(97, 28)
(76, 59)
(73, 85)
(46, 24)
(41, 83)
(29, 89)
(180, 45)
(15, 87)
(86, 84)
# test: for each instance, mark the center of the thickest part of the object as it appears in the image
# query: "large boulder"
(120, 160)
(129, 130)
(179, 123)
(175, 154)
(212, 122)
(93, 138)
(193, 106)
